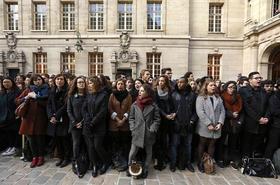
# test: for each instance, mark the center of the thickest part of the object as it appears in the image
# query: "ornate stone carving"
(124, 40)
(11, 40)
(11, 56)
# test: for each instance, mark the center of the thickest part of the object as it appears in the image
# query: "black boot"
(200, 167)
(94, 171)
(103, 169)
(145, 173)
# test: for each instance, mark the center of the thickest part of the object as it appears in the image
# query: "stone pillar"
(114, 63)
(254, 58)
(21, 62)
(2, 63)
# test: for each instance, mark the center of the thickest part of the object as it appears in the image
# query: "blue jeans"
(183, 141)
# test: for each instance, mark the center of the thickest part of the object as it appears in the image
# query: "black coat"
(57, 107)
(7, 110)
(274, 106)
(95, 110)
(255, 106)
(186, 116)
(74, 110)
(166, 106)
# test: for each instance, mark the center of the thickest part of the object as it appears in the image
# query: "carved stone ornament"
(11, 40)
(11, 56)
(124, 40)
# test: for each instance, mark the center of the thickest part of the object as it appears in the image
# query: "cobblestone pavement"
(15, 171)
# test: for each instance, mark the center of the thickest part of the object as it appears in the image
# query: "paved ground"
(15, 171)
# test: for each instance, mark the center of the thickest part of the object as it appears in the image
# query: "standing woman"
(58, 119)
(144, 120)
(34, 123)
(76, 98)
(232, 126)
(211, 114)
(9, 125)
(119, 107)
(165, 104)
(94, 129)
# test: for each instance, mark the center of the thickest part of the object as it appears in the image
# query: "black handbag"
(259, 167)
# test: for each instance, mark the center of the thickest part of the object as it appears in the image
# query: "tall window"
(215, 18)
(12, 16)
(214, 66)
(125, 15)
(68, 62)
(39, 16)
(40, 63)
(96, 16)
(154, 15)
(153, 63)
(68, 16)
(95, 64)
(275, 7)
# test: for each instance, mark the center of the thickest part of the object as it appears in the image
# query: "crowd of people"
(153, 121)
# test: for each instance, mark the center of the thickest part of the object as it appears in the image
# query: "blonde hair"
(203, 90)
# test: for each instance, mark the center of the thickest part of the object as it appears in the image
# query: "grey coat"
(144, 125)
(208, 114)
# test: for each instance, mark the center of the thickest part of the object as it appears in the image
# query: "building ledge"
(269, 23)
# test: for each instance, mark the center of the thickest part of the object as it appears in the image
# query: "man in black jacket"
(274, 129)
(255, 101)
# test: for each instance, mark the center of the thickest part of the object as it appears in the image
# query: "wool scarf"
(143, 102)
(233, 104)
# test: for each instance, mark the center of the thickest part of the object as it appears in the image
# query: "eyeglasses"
(80, 82)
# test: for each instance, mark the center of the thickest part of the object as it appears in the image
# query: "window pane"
(154, 15)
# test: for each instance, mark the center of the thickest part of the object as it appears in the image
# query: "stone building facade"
(221, 38)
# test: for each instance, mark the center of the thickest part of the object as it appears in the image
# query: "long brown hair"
(73, 87)
(166, 80)
(203, 90)
(97, 82)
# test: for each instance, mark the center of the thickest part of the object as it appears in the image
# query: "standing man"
(145, 74)
(255, 101)
(168, 72)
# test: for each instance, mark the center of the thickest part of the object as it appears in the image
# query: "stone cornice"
(269, 23)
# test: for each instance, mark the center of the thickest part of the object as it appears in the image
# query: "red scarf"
(143, 102)
(231, 104)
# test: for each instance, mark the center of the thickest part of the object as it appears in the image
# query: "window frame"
(275, 7)
(40, 59)
(154, 15)
(98, 16)
(67, 16)
(43, 17)
(126, 15)
(151, 66)
(215, 16)
(12, 24)
(213, 65)
(96, 63)
(71, 66)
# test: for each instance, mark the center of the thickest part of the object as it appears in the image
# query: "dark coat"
(74, 110)
(57, 107)
(36, 121)
(7, 110)
(274, 106)
(144, 125)
(255, 104)
(165, 105)
(95, 110)
(186, 116)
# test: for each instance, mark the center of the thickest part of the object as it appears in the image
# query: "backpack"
(276, 160)
(208, 164)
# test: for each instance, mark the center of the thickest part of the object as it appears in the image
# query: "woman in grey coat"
(144, 120)
(211, 114)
